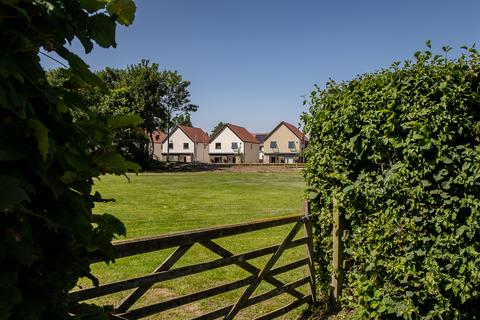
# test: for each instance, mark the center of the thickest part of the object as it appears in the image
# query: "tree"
(175, 99)
(141, 87)
(48, 159)
(134, 90)
(182, 119)
(217, 128)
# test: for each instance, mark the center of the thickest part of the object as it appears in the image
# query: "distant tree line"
(160, 98)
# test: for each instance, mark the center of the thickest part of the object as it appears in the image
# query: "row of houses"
(231, 144)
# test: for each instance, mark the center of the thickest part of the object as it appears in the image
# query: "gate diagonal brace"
(264, 273)
(224, 253)
(140, 291)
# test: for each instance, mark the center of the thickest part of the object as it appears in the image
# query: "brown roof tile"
(240, 132)
(300, 135)
(194, 134)
(295, 130)
(158, 136)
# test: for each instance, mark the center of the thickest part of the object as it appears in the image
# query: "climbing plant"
(400, 151)
(48, 161)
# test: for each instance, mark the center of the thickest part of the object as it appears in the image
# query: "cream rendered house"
(233, 144)
(186, 144)
(285, 144)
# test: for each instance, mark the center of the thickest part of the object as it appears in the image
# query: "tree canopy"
(217, 128)
(160, 98)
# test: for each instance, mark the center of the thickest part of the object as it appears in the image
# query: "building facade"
(157, 137)
(186, 144)
(233, 144)
(285, 144)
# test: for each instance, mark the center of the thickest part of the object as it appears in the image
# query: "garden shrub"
(400, 150)
(48, 233)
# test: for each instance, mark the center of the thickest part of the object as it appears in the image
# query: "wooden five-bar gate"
(183, 241)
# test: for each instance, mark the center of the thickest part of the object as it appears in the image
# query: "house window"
(291, 144)
(170, 145)
(273, 144)
(218, 146)
(185, 146)
(234, 145)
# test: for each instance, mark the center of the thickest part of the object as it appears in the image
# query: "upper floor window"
(291, 144)
(185, 146)
(218, 146)
(234, 145)
(170, 145)
(273, 144)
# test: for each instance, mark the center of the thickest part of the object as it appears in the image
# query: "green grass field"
(152, 204)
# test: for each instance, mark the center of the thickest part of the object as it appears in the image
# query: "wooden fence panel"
(184, 241)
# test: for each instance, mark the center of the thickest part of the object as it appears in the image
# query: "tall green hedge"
(400, 150)
(48, 161)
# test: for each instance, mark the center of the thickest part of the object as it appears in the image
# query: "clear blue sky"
(251, 61)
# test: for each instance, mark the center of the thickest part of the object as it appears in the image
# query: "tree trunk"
(168, 137)
(153, 146)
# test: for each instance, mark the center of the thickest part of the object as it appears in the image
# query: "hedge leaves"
(48, 160)
(400, 150)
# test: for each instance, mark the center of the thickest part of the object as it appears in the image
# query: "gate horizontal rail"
(184, 241)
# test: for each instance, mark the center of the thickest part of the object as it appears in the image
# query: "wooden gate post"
(309, 247)
(337, 261)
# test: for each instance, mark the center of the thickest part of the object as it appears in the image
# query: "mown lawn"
(152, 204)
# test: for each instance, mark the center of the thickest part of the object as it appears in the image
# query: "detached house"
(233, 144)
(285, 144)
(186, 144)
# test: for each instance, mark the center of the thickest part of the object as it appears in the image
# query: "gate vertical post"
(309, 248)
(337, 261)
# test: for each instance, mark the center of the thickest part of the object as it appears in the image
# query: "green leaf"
(114, 163)
(9, 293)
(123, 121)
(122, 10)
(93, 5)
(40, 132)
(12, 192)
(461, 230)
(446, 160)
(110, 223)
(81, 69)
(103, 30)
(426, 183)
(420, 252)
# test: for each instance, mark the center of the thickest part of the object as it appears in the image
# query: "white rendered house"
(233, 144)
(186, 144)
